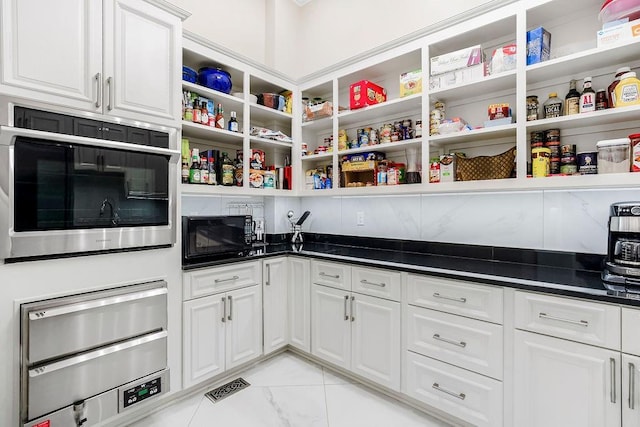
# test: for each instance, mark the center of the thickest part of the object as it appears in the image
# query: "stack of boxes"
(462, 66)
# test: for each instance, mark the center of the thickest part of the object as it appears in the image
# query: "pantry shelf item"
(321, 123)
(262, 113)
(229, 101)
(272, 100)
(365, 93)
(189, 74)
(613, 10)
(489, 84)
(485, 167)
(215, 78)
(614, 155)
(269, 134)
(389, 147)
(595, 118)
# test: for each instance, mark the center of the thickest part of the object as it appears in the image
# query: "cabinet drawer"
(456, 297)
(630, 336)
(468, 343)
(221, 279)
(583, 321)
(331, 274)
(376, 282)
(466, 395)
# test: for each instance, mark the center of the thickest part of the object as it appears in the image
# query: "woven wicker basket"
(485, 167)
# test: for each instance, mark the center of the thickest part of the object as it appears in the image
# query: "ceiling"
(301, 2)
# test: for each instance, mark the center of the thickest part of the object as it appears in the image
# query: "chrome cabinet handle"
(346, 301)
(612, 364)
(458, 343)
(460, 396)
(227, 280)
(224, 310)
(562, 319)
(437, 295)
(333, 276)
(230, 308)
(366, 282)
(98, 90)
(268, 282)
(632, 386)
(352, 300)
(110, 88)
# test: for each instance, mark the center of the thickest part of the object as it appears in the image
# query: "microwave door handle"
(8, 134)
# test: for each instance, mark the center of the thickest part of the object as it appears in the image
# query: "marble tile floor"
(291, 391)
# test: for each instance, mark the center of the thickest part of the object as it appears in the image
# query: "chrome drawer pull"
(333, 276)
(230, 316)
(224, 309)
(561, 319)
(460, 396)
(352, 300)
(346, 301)
(227, 280)
(458, 343)
(437, 295)
(98, 90)
(632, 386)
(366, 282)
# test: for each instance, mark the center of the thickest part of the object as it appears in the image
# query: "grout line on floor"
(196, 411)
(326, 402)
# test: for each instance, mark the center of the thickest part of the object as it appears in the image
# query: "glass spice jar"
(532, 107)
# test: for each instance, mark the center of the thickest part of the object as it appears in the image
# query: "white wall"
(574, 221)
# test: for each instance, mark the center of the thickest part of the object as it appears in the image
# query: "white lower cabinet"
(564, 383)
(357, 332)
(463, 394)
(630, 395)
(299, 303)
(221, 331)
(274, 310)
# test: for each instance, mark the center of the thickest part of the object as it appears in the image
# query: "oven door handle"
(76, 360)
(88, 305)
(8, 134)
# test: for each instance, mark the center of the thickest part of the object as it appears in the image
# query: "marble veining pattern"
(290, 391)
(395, 217)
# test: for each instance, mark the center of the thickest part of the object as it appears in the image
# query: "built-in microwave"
(209, 238)
(62, 192)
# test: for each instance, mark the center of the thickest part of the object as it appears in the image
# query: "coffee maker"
(622, 266)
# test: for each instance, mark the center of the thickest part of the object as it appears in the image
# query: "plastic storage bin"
(613, 155)
(613, 10)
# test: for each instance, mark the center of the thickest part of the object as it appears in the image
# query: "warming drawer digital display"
(142, 391)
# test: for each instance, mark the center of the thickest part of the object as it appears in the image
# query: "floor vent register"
(217, 394)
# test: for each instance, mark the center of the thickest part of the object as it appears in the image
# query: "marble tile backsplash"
(574, 221)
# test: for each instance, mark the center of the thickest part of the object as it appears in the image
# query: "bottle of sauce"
(233, 122)
(204, 114)
(612, 87)
(219, 117)
(553, 106)
(197, 113)
(227, 170)
(194, 170)
(213, 180)
(204, 170)
(602, 103)
(572, 100)
(185, 172)
(588, 97)
(627, 92)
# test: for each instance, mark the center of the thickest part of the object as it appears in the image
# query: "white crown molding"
(171, 8)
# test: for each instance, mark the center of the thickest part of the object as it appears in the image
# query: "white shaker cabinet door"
(630, 391)
(331, 325)
(375, 338)
(299, 296)
(274, 294)
(244, 325)
(564, 383)
(142, 60)
(204, 339)
(52, 51)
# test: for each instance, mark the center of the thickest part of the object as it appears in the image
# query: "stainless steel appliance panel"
(97, 319)
(60, 383)
(98, 409)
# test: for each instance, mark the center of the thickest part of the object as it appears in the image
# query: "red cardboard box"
(365, 93)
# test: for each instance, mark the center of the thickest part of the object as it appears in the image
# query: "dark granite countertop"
(561, 280)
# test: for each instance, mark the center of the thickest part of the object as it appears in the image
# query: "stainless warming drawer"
(88, 357)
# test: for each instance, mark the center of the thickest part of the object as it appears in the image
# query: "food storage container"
(189, 74)
(272, 100)
(613, 10)
(215, 78)
(613, 155)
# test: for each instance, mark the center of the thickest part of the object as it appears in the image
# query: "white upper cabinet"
(142, 60)
(116, 57)
(52, 50)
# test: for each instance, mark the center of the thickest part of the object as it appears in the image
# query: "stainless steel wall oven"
(75, 185)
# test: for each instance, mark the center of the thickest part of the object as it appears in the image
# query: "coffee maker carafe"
(622, 266)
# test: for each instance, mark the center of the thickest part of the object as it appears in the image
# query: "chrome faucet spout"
(115, 218)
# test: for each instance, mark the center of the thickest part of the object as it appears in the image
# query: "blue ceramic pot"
(215, 78)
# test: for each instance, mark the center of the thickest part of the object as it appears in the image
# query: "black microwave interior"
(207, 238)
(59, 186)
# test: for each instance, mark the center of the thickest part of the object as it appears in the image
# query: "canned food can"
(568, 160)
(537, 136)
(552, 135)
(373, 136)
(554, 166)
(568, 150)
(568, 169)
(418, 133)
(540, 162)
(587, 162)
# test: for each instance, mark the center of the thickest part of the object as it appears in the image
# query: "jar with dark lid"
(532, 107)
